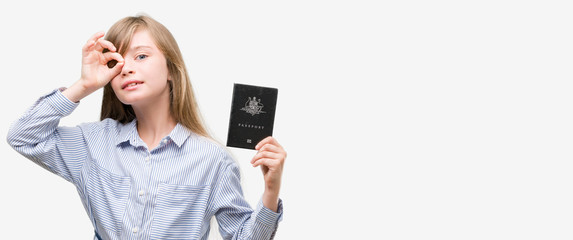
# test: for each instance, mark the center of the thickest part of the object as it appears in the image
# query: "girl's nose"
(127, 69)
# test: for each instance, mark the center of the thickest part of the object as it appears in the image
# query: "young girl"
(148, 169)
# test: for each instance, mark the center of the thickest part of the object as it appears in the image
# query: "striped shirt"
(132, 192)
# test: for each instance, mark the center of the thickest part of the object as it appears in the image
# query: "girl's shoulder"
(106, 126)
(211, 147)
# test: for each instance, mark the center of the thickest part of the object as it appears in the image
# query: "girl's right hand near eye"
(95, 71)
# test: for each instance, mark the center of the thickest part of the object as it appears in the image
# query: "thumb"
(115, 70)
(114, 61)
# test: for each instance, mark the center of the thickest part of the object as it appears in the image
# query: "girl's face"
(144, 76)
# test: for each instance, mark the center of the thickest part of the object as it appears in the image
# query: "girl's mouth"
(130, 84)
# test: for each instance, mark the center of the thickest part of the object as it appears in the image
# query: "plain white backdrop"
(402, 119)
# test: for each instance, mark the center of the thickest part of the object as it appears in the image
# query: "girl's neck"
(154, 122)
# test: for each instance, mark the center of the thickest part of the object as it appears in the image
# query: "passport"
(252, 115)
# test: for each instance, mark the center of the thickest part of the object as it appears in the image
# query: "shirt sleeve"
(237, 220)
(36, 136)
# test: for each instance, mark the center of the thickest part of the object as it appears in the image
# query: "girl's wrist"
(271, 200)
(76, 92)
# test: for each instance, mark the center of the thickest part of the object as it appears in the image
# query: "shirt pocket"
(108, 194)
(179, 212)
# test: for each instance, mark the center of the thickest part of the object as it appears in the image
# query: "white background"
(402, 119)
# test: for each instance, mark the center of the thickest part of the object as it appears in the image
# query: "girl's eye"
(141, 57)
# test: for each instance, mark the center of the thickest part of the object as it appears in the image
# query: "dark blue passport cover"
(252, 115)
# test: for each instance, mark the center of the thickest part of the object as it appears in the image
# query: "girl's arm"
(95, 71)
(36, 134)
(271, 157)
(236, 219)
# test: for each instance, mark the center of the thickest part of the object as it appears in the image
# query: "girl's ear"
(170, 83)
(170, 76)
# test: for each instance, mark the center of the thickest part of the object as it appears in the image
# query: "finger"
(271, 148)
(102, 44)
(267, 140)
(116, 69)
(92, 41)
(275, 149)
(264, 162)
(96, 36)
(268, 155)
(108, 56)
(114, 61)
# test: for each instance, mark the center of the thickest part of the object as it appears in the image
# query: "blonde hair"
(183, 107)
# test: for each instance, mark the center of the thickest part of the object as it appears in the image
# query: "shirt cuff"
(60, 103)
(269, 217)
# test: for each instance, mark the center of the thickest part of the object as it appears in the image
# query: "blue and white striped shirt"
(132, 192)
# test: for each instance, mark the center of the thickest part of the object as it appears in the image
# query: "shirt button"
(141, 192)
(135, 229)
(164, 141)
(147, 159)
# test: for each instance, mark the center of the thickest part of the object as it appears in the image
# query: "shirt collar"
(128, 133)
(179, 134)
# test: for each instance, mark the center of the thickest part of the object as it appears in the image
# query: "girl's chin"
(129, 101)
(135, 98)
(136, 101)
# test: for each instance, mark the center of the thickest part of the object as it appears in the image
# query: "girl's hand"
(95, 71)
(271, 157)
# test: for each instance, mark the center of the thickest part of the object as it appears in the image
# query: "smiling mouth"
(130, 84)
